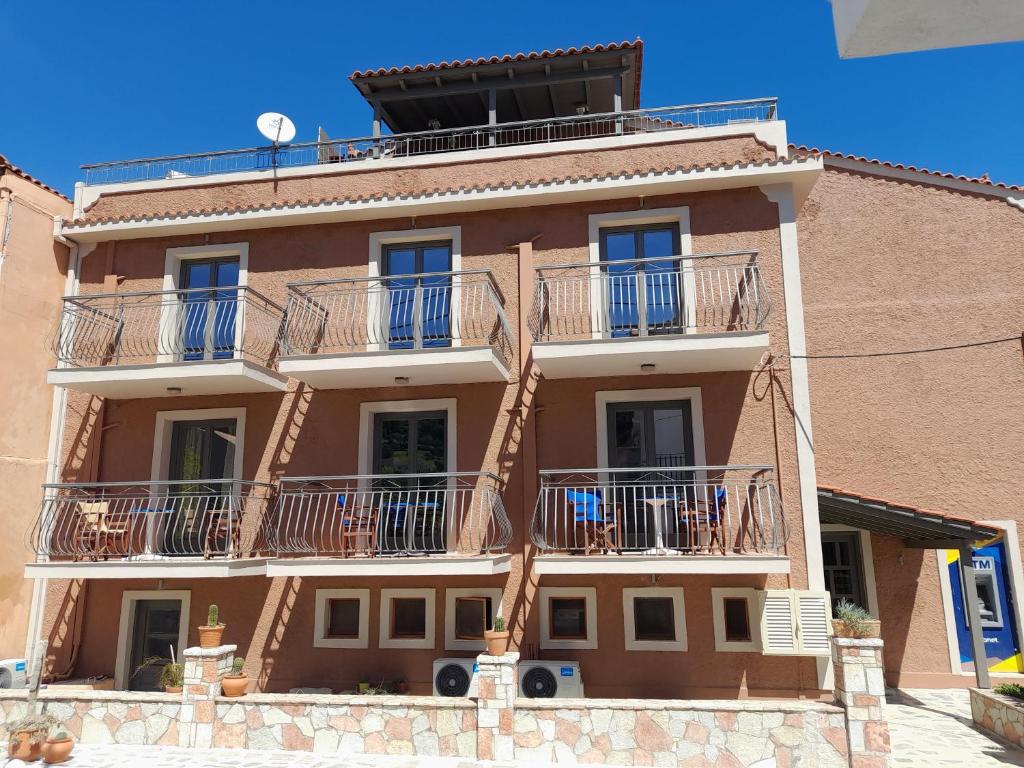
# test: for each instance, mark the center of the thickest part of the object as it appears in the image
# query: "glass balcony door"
(419, 300)
(643, 297)
(209, 301)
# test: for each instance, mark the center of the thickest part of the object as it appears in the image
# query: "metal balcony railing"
(454, 513)
(221, 518)
(683, 510)
(426, 311)
(369, 148)
(705, 293)
(143, 327)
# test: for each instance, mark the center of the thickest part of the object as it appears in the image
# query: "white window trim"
(124, 628)
(718, 596)
(681, 216)
(678, 613)
(320, 639)
(386, 641)
(160, 467)
(867, 565)
(172, 271)
(589, 594)
(452, 643)
(368, 410)
(605, 398)
(375, 268)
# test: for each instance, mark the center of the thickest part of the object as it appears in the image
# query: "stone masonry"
(498, 686)
(204, 668)
(999, 714)
(860, 688)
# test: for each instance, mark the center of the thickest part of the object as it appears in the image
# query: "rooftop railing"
(426, 311)
(145, 327)
(453, 513)
(705, 293)
(680, 510)
(370, 148)
(220, 519)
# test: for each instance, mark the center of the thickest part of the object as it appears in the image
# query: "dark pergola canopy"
(502, 89)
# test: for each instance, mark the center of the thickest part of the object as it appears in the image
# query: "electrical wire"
(1019, 338)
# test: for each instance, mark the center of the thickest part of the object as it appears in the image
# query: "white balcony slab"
(433, 565)
(200, 377)
(447, 365)
(569, 565)
(162, 568)
(689, 353)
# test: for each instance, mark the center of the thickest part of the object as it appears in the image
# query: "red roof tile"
(7, 165)
(894, 504)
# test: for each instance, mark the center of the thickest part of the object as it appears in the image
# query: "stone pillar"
(497, 688)
(204, 668)
(860, 689)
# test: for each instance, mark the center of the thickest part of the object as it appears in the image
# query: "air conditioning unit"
(550, 679)
(455, 677)
(13, 673)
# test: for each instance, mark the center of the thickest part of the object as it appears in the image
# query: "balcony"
(676, 315)
(436, 328)
(157, 529)
(428, 524)
(368, 150)
(156, 343)
(671, 519)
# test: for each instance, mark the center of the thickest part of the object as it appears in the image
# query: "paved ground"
(933, 729)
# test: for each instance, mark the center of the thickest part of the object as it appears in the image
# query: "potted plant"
(497, 637)
(27, 735)
(211, 633)
(850, 620)
(57, 747)
(172, 677)
(236, 681)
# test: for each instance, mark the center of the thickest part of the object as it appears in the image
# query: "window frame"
(589, 597)
(387, 596)
(451, 595)
(718, 598)
(678, 596)
(320, 623)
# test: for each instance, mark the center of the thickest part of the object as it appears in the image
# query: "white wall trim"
(605, 397)
(678, 614)
(386, 641)
(160, 467)
(589, 594)
(320, 639)
(718, 596)
(368, 410)
(452, 643)
(867, 565)
(124, 628)
(946, 593)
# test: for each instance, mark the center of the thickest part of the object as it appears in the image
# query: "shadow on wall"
(899, 571)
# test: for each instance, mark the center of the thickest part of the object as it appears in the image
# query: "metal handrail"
(183, 324)
(661, 510)
(429, 310)
(707, 293)
(221, 518)
(437, 513)
(474, 137)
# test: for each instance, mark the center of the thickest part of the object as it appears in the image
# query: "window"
(644, 296)
(654, 619)
(568, 617)
(407, 618)
(736, 619)
(842, 560)
(419, 294)
(468, 612)
(342, 618)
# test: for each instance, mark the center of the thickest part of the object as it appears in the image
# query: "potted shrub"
(57, 747)
(172, 677)
(850, 620)
(210, 634)
(236, 681)
(497, 638)
(27, 735)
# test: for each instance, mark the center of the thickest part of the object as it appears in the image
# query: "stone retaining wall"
(998, 714)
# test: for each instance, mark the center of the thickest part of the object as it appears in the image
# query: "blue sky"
(87, 82)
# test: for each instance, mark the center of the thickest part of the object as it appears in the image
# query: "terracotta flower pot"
(210, 637)
(497, 642)
(57, 750)
(22, 746)
(172, 689)
(233, 685)
(872, 628)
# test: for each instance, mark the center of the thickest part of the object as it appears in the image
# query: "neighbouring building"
(528, 350)
(33, 267)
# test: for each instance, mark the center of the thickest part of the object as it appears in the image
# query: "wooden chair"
(358, 531)
(597, 522)
(223, 526)
(704, 516)
(100, 532)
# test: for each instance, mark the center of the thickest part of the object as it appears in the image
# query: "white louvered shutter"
(778, 623)
(814, 614)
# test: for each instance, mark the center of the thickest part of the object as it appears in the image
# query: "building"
(529, 349)
(32, 279)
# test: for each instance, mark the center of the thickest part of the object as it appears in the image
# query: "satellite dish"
(276, 127)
